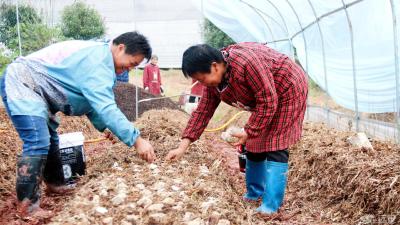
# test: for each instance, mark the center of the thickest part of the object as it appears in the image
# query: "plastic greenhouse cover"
(280, 24)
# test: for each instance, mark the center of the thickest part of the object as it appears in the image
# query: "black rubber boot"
(52, 173)
(29, 176)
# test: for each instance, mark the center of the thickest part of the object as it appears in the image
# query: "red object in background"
(197, 89)
(152, 79)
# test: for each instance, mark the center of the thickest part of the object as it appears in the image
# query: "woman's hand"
(179, 152)
(242, 136)
(175, 154)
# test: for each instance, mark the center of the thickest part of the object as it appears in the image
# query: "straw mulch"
(335, 182)
(10, 146)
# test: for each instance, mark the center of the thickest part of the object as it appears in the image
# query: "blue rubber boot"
(255, 179)
(275, 187)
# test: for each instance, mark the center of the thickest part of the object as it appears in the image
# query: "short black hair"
(198, 59)
(135, 43)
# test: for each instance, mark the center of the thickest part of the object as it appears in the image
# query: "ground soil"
(125, 96)
(330, 182)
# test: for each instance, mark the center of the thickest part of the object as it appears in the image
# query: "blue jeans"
(33, 130)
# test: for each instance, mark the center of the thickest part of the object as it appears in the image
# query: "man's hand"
(145, 150)
(179, 152)
(146, 88)
(110, 136)
(242, 136)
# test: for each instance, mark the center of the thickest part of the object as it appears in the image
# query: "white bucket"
(71, 139)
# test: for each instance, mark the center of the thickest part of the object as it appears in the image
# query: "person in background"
(194, 97)
(152, 77)
(75, 78)
(123, 77)
(253, 77)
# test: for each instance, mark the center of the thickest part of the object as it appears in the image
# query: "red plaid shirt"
(265, 82)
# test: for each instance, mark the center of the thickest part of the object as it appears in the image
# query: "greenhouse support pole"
(286, 27)
(305, 47)
(265, 22)
(323, 59)
(302, 33)
(52, 3)
(258, 11)
(202, 21)
(269, 28)
(396, 60)
(136, 68)
(136, 95)
(326, 15)
(18, 29)
(354, 68)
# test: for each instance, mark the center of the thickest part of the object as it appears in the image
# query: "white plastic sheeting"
(352, 56)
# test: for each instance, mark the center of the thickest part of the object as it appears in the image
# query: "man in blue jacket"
(76, 78)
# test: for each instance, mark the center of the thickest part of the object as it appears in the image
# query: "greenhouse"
(200, 112)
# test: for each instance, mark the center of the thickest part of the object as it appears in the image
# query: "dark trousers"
(281, 156)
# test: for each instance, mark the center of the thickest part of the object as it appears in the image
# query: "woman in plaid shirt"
(259, 79)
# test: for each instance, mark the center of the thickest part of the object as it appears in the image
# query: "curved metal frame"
(265, 14)
(301, 27)
(305, 46)
(354, 67)
(325, 15)
(279, 25)
(286, 27)
(266, 23)
(323, 55)
(396, 69)
(136, 96)
(18, 29)
(52, 3)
